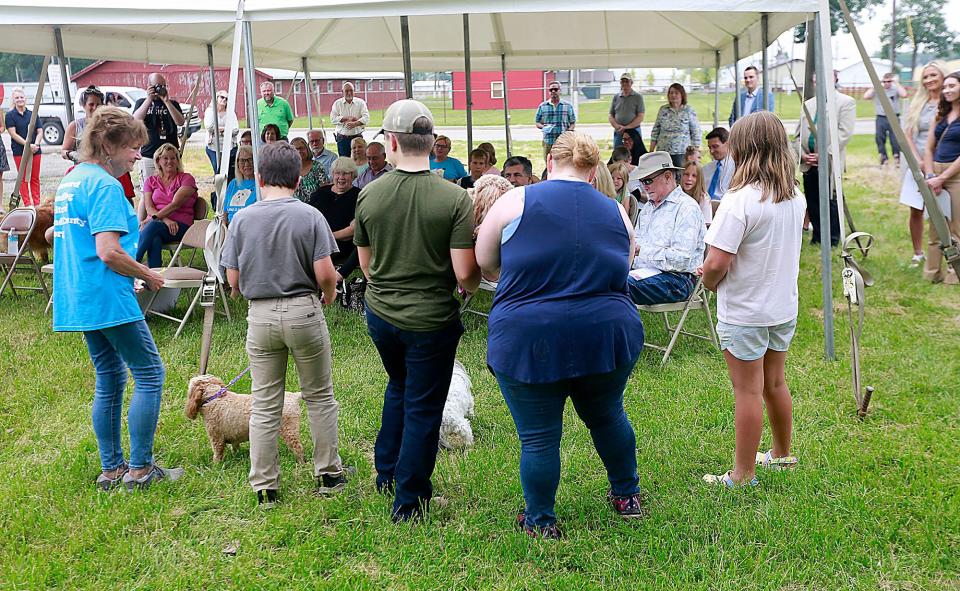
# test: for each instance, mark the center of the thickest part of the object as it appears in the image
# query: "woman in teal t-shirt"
(96, 235)
(242, 190)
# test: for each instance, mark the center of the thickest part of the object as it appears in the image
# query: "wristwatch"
(154, 217)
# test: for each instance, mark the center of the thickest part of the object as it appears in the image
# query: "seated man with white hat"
(669, 235)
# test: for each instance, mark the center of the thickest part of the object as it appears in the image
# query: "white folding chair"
(485, 285)
(186, 278)
(699, 300)
(21, 222)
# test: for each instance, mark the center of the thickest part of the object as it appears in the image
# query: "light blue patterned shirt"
(674, 130)
(556, 119)
(670, 235)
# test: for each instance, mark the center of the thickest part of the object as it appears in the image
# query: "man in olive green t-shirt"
(273, 109)
(414, 237)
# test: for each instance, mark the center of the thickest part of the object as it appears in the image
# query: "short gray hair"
(279, 165)
(344, 164)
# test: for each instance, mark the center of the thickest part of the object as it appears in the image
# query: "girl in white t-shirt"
(753, 264)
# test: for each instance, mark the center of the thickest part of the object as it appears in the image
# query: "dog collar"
(219, 394)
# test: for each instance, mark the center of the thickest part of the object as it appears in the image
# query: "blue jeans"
(112, 351)
(419, 366)
(537, 411)
(343, 143)
(215, 164)
(152, 238)
(663, 288)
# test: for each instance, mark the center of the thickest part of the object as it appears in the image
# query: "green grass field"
(787, 108)
(873, 505)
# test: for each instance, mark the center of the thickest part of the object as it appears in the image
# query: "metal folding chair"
(485, 285)
(175, 276)
(699, 300)
(21, 222)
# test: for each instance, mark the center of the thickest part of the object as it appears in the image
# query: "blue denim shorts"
(749, 343)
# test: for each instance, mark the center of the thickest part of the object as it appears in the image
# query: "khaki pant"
(933, 268)
(296, 326)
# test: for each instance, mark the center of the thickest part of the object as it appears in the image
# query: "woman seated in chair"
(242, 190)
(338, 204)
(694, 185)
(168, 198)
(312, 174)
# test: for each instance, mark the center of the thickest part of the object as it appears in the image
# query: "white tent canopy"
(364, 35)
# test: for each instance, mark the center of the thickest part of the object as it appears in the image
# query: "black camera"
(160, 89)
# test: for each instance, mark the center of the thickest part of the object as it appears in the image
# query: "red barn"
(527, 89)
(180, 80)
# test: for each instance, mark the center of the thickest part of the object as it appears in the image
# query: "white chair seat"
(698, 300)
(48, 269)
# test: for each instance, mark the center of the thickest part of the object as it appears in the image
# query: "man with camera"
(161, 115)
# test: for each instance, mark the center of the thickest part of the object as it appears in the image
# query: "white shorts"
(749, 343)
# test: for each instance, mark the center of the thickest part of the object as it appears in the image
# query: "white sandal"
(766, 460)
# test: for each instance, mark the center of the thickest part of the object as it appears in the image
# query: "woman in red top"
(168, 198)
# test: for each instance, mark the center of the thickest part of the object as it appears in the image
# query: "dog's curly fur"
(227, 419)
(38, 240)
(455, 430)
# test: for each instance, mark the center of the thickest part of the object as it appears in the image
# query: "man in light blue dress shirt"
(751, 99)
(718, 173)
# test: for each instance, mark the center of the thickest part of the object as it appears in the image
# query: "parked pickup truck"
(52, 116)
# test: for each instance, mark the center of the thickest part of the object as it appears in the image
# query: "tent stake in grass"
(855, 279)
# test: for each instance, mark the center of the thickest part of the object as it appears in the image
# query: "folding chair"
(485, 285)
(175, 276)
(699, 300)
(48, 268)
(20, 221)
(200, 210)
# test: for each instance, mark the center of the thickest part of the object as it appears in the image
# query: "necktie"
(715, 180)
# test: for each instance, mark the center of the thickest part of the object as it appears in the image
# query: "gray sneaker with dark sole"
(331, 484)
(156, 473)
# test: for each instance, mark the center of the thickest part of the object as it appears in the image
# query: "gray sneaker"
(331, 484)
(107, 484)
(156, 473)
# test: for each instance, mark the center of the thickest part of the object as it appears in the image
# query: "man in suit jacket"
(810, 158)
(751, 99)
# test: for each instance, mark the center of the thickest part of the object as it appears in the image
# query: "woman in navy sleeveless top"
(563, 325)
(942, 165)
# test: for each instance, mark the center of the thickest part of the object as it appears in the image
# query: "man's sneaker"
(267, 498)
(331, 484)
(105, 483)
(766, 460)
(628, 507)
(546, 532)
(156, 473)
(917, 260)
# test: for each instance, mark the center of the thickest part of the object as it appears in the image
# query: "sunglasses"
(554, 90)
(649, 180)
(221, 98)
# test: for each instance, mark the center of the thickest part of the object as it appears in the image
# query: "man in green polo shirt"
(274, 109)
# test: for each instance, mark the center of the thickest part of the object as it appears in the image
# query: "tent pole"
(765, 36)
(810, 60)
(506, 104)
(250, 76)
(467, 75)
(309, 90)
(213, 101)
(64, 81)
(823, 173)
(407, 65)
(716, 91)
(736, 78)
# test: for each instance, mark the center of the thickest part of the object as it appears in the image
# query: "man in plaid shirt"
(554, 117)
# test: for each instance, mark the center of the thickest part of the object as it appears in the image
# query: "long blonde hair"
(761, 152)
(242, 151)
(603, 182)
(922, 96)
(699, 190)
(620, 168)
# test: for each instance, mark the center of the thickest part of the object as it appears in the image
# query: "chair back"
(634, 210)
(19, 221)
(196, 234)
(200, 208)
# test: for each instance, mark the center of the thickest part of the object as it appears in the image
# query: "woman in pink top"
(168, 197)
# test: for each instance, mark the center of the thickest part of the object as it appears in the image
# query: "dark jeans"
(883, 132)
(346, 261)
(343, 143)
(113, 350)
(215, 164)
(811, 190)
(152, 238)
(537, 411)
(419, 366)
(663, 288)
